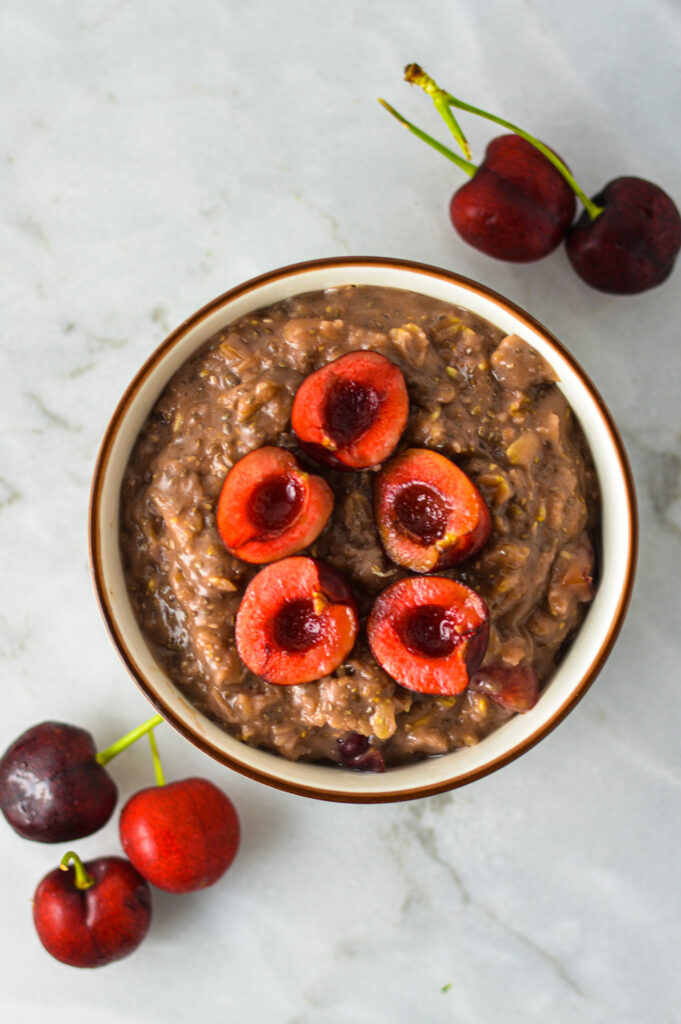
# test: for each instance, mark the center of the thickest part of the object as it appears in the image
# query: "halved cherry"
(351, 413)
(513, 687)
(429, 633)
(297, 621)
(270, 507)
(430, 515)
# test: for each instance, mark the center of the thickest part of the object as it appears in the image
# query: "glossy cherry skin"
(517, 206)
(51, 787)
(93, 927)
(632, 245)
(182, 836)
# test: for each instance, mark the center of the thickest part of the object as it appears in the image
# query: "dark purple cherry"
(53, 783)
(356, 752)
(51, 787)
(631, 245)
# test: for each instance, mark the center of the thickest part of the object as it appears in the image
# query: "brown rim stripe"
(94, 531)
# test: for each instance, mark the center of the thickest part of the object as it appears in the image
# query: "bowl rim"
(95, 530)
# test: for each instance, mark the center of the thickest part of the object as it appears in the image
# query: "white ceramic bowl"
(577, 670)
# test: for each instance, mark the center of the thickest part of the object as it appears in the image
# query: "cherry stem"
(82, 879)
(158, 767)
(416, 76)
(104, 756)
(464, 165)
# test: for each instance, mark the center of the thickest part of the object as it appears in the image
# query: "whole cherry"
(632, 241)
(181, 836)
(517, 205)
(88, 915)
(53, 784)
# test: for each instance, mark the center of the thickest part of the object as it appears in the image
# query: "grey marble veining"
(153, 155)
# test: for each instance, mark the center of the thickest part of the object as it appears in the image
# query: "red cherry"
(270, 507)
(182, 836)
(517, 206)
(297, 621)
(52, 788)
(429, 514)
(429, 633)
(632, 244)
(351, 413)
(101, 920)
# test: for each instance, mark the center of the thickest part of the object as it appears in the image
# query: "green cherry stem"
(82, 879)
(464, 165)
(416, 76)
(158, 767)
(441, 99)
(104, 756)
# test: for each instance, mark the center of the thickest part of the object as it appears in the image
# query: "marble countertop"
(154, 154)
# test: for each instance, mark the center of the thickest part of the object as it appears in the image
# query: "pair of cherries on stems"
(54, 787)
(520, 204)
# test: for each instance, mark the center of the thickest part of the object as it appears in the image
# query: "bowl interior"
(576, 671)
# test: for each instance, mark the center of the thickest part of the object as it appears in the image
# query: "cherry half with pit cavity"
(430, 515)
(88, 915)
(429, 633)
(270, 508)
(297, 621)
(351, 413)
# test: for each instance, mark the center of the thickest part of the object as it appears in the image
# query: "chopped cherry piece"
(350, 414)
(297, 621)
(514, 688)
(270, 507)
(429, 633)
(430, 515)
(356, 752)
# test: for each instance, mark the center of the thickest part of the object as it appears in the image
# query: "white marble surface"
(155, 153)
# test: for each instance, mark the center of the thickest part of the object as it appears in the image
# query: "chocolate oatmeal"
(486, 401)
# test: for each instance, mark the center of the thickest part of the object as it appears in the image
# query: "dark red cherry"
(94, 913)
(517, 206)
(632, 244)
